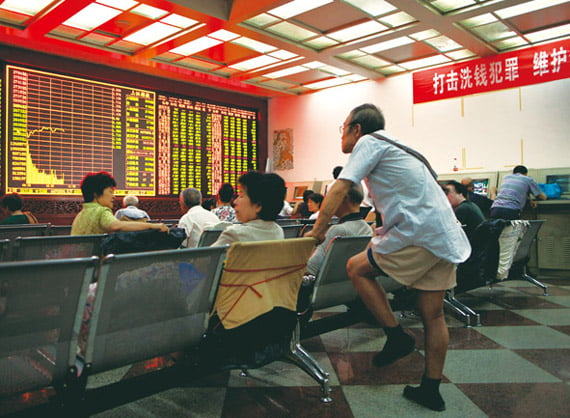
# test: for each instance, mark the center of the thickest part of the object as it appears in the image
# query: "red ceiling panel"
(227, 53)
(331, 16)
(124, 24)
(407, 52)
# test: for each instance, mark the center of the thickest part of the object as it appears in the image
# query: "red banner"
(523, 67)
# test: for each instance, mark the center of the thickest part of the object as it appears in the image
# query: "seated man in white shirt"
(350, 224)
(131, 211)
(196, 217)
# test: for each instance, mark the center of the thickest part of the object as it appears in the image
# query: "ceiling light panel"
(547, 34)
(297, 7)
(397, 19)
(92, 16)
(196, 45)
(357, 31)
(371, 61)
(355, 77)
(254, 45)
(493, 31)
(223, 35)
(288, 71)
(152, 33)
(506, 44)
(425, 34)
(262, 20)
(119, 4)
(149, 11)
(253, 63)
(446, 6)
(460, 55)
(383, 46)
(443, 44)
(294, 32)
(478, 20)
(424, 62)
(372, 7)
(333, 70)
(282, 54)
(529, 6)
(28, 7)
(179, 21)
(313, 64)
(320, 43)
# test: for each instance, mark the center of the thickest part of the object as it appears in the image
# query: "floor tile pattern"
(517, 364)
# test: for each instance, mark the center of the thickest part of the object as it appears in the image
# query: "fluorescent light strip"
(253, 63)
(254, 45)
(357, 31)
(529, 6)
(152, 33)
(546, 34)
(196, 45)
(149, 11)
(382, 46)
(28, 7)
(424, 62)
(223, 35)
(179, 21)
(297, 7)
(92, 16)
(286, 72)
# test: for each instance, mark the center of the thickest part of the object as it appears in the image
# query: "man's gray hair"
(130, 200)
(191, 197)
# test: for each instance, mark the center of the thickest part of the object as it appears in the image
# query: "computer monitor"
(563, 181)
(481, 186)
(298, 192)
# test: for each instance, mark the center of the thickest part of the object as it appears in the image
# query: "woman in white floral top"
(225, 211)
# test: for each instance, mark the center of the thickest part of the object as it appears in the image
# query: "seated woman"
(314, 203)
(12, 203)
(97, 217)
(224, 209)
(257, 206)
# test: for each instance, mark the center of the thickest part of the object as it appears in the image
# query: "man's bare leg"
(398, 343)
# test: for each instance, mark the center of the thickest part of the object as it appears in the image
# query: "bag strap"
(31, 218)
(409, 151)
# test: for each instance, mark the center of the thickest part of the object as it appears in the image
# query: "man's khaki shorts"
(416, 267)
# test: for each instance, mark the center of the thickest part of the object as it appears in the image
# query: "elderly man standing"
(196, 217)
(418, 245)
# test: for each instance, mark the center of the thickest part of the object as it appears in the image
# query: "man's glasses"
(342, 127)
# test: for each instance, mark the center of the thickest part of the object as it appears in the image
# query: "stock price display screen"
(60, 128)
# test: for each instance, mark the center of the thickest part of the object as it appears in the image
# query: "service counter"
(553, 246)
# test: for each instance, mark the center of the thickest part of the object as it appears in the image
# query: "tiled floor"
(516, 365)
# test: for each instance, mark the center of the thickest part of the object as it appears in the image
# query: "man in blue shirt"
(513, 194)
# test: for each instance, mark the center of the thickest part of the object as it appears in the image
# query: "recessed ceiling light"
(152, 33)
(253, 63)
(333, 70)
(286, 72)
(424, 62)
(397, 19)
(546, 34)
(383, 46)
(282, 54)
(320, 42)
(450, 5)
(443, 43)
(494, 31)
(371, 61)
(527, 7)
(91, 17)
(461, 54)
(313, 64)
(514, 42)
(119, 4)
(425, 34)
(179, 21)
(29, 7)
(261, 20)
(331, 82)
(393, 69)
(478, 20)
(372, 7)
(254, 45)
(357, 31)
(149, 11)
(196, 45)
(223, 35)
(297, 7)
(291, 31)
